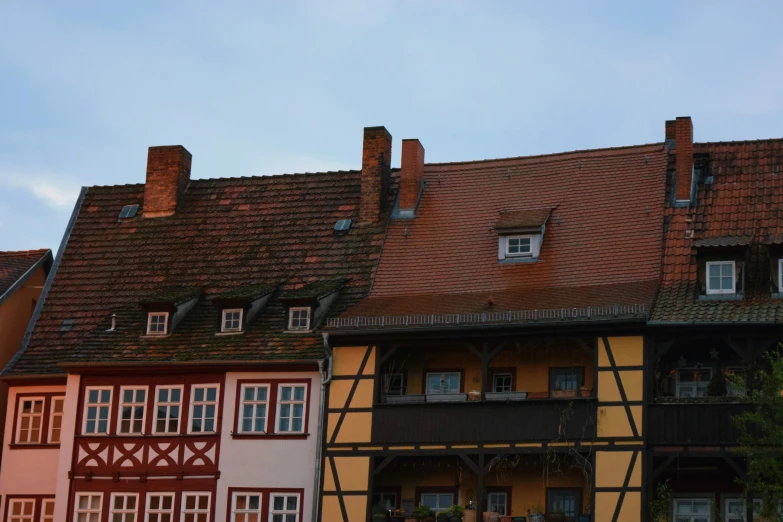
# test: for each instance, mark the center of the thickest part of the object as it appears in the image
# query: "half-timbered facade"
(176, 369)
(499, 360)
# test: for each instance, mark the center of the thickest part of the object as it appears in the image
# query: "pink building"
(176, 369)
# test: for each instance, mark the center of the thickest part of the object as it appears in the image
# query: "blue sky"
(266, 88)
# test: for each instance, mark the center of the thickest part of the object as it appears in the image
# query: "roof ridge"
(737, 142)
(11, 253)
(549, 155)
(234, 178)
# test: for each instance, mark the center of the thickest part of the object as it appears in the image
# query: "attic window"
(232, 320)
(342, 225)
(157, 323)
(299, 318)
(519, 246)
(720, 277)
(129, 211)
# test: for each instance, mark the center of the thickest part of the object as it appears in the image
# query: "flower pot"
(562, 394)
(411, 519)
(536, 517)
(455, 518)
(555, 517)
(469, 516)
(443, 517)
(429, 519)
(474, 396)
(491, 516)
(586, 391)
(505, 518)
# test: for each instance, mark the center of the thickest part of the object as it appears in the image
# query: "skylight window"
(299, 318)
(342, 225)
(519, 246)
(720, 277)
(232, 320)
(129, 211)
(157, 323)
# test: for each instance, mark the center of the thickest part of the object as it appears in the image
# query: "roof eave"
(45, 259)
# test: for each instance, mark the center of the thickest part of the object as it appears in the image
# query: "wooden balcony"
(693, 423)
(487, 421)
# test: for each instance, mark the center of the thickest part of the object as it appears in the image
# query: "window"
(88, 507)
(96, 411)
(47, 510)
(195, 507)
(160, 507)
(291, 408)
(780, 276)
(254, 408)
(692, 510)
(203, 408)
(246, 507)
(299, 318)
(519, 246)
(232, 320)
(693, 382)
(735, 509)
(30, 421)
(437, 501)
(566, 500)
(443, 382)
(132, 410)
(21, 510)
(497, 502)
(386, 501)
(56, 419)
(720, 277)
(167, 409)
(502, 382)
(394, 384)
(123, 507)
(157, 323)
(283, 508)
(567, 379)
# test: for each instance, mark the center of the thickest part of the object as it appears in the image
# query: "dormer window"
(232, 320)
(519, 246)
(299, 318)
(721, 277)
(157, 323)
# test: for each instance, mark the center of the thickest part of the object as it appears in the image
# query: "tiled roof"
(604, 233)
(743, 199)
(723, 241)
(534, 217)
(228, 235)
(14, 265)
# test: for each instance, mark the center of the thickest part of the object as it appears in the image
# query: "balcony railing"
(498, 419)
(693, 423)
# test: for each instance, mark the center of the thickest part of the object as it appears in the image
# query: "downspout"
(321, 414)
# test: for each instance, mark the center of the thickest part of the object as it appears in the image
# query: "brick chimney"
(670, 126)
(411, 174)
(376, 170)
(168, 174)
(683, 159)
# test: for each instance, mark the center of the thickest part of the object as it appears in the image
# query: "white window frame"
(780, 275)
(509, 375)
(168, 404)
(159, 511)
(247, 511)
(273, 512)
(52, 415)
(677, 501)
(291, 318)
(292, 402)
(23, 516)
(678, 385)
(133, 405)
(444, 374)
(44, 516)
(31, 416)
(204, 403)
(529, 253)
(165, 323)
(719, 291)
(503, 494)
(437, 496)
(197, 510)
(757, 503)
(224, 315)
(88, 405)
(254, 402)
(124, 510)
(89, 510)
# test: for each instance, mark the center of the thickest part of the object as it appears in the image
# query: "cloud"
(57, 194)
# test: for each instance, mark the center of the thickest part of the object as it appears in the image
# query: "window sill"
(721, 297)
(143, 435)
(221, 334)
(270, 436)
(155, 336)
(513, 260)
(308, 331)
(34, 446)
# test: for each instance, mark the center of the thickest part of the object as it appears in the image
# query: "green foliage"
(422, 512)
(378, 509)
(761, 436)
(536, 509)
(660, 507)
(455, 510)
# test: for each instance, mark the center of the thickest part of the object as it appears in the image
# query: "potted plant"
(586, 391)
(378, 513)
(556, 515)
(470, 512)
(397, 516)
(455, 513)
(474, 395)
(443, 516)
(505, 518)
(562, 394)
(535, 514)
(422, 512)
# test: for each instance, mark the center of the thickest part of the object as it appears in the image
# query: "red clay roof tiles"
(14, 265)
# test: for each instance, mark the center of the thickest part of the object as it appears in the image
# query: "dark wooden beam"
(383, 464)
(660, 469)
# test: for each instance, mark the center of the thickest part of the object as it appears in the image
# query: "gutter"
(321, 415)
(46, 258)
(48, 285)
(714, 323)
(147, 364)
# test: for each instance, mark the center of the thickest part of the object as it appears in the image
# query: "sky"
(260, 88)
